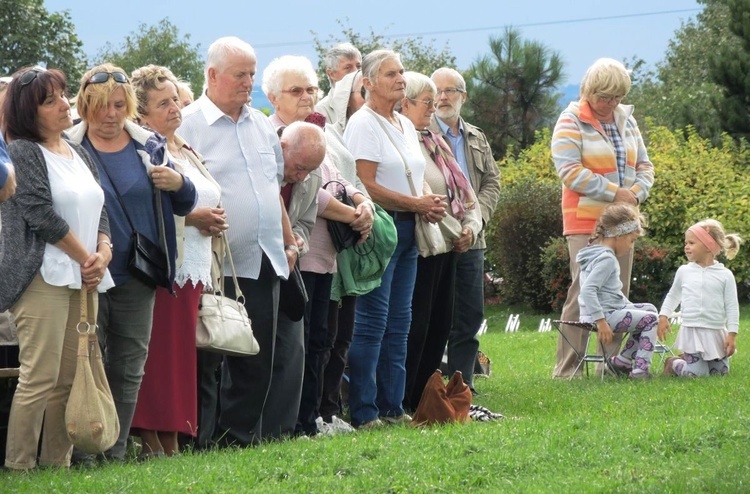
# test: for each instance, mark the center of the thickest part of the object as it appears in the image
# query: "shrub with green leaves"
(528, 215)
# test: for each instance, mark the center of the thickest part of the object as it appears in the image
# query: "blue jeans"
(377, 357)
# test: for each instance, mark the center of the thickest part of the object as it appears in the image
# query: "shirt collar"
(212, 113)
(446, 128)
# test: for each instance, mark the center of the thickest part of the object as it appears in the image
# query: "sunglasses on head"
(102, 77)
(29, 76)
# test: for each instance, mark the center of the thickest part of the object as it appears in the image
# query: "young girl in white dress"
(707, 294)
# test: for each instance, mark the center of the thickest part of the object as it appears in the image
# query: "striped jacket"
(587, 164)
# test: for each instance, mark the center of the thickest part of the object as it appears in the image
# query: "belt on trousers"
(401, 215)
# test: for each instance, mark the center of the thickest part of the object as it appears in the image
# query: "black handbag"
(342, 234)
(147, 262)
(293, 295)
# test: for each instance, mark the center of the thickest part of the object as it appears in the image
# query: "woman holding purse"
(56, 239)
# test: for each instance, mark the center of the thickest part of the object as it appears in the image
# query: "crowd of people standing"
(191, 176)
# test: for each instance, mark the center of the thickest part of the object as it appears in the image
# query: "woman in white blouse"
(167, 399)
(55, 240)
(386, 149)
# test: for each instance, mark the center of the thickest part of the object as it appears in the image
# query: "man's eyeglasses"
(429, 103)
(450, 91)
(29, 76)
(299, 91)
(102, 77)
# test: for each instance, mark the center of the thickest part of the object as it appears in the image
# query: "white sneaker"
(324, 428)
(339, 426)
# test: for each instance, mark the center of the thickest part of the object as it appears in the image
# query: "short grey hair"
(339, 51)
(605, 76)
(417, 83)
(274, 73)
(222, 48)
(372, 62)
(460, 82)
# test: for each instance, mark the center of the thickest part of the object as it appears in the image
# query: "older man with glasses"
(473, 154)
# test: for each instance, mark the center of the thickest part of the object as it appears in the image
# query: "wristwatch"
(293, 248)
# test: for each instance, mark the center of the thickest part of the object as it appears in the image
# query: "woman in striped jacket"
(600, 157)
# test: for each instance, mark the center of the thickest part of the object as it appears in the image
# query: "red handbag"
(441, 403)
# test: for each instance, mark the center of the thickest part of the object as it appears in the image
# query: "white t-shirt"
(366, 140)
(78, 199)
(196, 256)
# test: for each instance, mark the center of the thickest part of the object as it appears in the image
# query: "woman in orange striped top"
(600, 157)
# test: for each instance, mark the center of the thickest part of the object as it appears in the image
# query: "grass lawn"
(586, 435)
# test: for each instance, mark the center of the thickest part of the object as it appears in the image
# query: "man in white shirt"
(242, 153)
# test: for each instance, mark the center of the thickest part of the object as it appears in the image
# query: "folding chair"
(585, 357)
(661, 348)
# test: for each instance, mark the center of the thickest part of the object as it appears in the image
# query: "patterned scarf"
(460, 194)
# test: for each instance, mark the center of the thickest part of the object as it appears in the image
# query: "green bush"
(528, 214)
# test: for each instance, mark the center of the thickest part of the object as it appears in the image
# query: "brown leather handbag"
(441, 403)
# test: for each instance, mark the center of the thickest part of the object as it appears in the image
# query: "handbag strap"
(378, 118)
(86, 329)
(237, 292)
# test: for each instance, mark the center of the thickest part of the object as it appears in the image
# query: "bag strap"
(378, 118)
(85, 328)
(237, 292)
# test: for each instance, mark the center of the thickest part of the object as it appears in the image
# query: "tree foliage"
(730, 69)
(512, 91)
(416, 55)
(160, 44)
(680, 92)
(31, 35)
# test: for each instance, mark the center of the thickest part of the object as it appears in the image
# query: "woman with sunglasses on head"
(600, 158)
(167, 400)
(56, 240)
(432, 303)
(136, 176)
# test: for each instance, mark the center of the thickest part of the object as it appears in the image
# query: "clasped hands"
(209, 221)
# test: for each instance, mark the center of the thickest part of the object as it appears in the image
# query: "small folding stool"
(585, 357)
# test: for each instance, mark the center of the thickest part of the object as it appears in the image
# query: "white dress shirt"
(245, 158)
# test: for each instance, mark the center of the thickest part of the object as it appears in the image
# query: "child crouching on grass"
(601, 299)
(707, 294)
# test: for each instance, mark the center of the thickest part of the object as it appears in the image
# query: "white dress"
(78, 199)
(196, 257)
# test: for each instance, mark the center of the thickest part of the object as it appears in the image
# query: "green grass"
(586, 435)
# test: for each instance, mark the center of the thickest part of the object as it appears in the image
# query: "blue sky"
(623, 29)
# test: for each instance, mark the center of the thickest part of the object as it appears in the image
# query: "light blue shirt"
(245, 159)
(457, 144)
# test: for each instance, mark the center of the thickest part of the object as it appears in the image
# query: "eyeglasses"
(299, 91)
(29, 76)
(429, 103)
(101, 77)
(609, 99)
(450, 91)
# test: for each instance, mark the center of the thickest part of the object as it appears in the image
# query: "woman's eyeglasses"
(299, 91)
(102, 77)
(429, 103)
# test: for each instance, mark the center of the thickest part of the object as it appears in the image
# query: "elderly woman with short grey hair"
(600, 158)
(385, 144)
(434, 291)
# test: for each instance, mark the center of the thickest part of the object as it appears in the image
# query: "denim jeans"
(377, 357)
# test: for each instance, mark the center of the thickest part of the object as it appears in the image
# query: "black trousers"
(340, 330)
